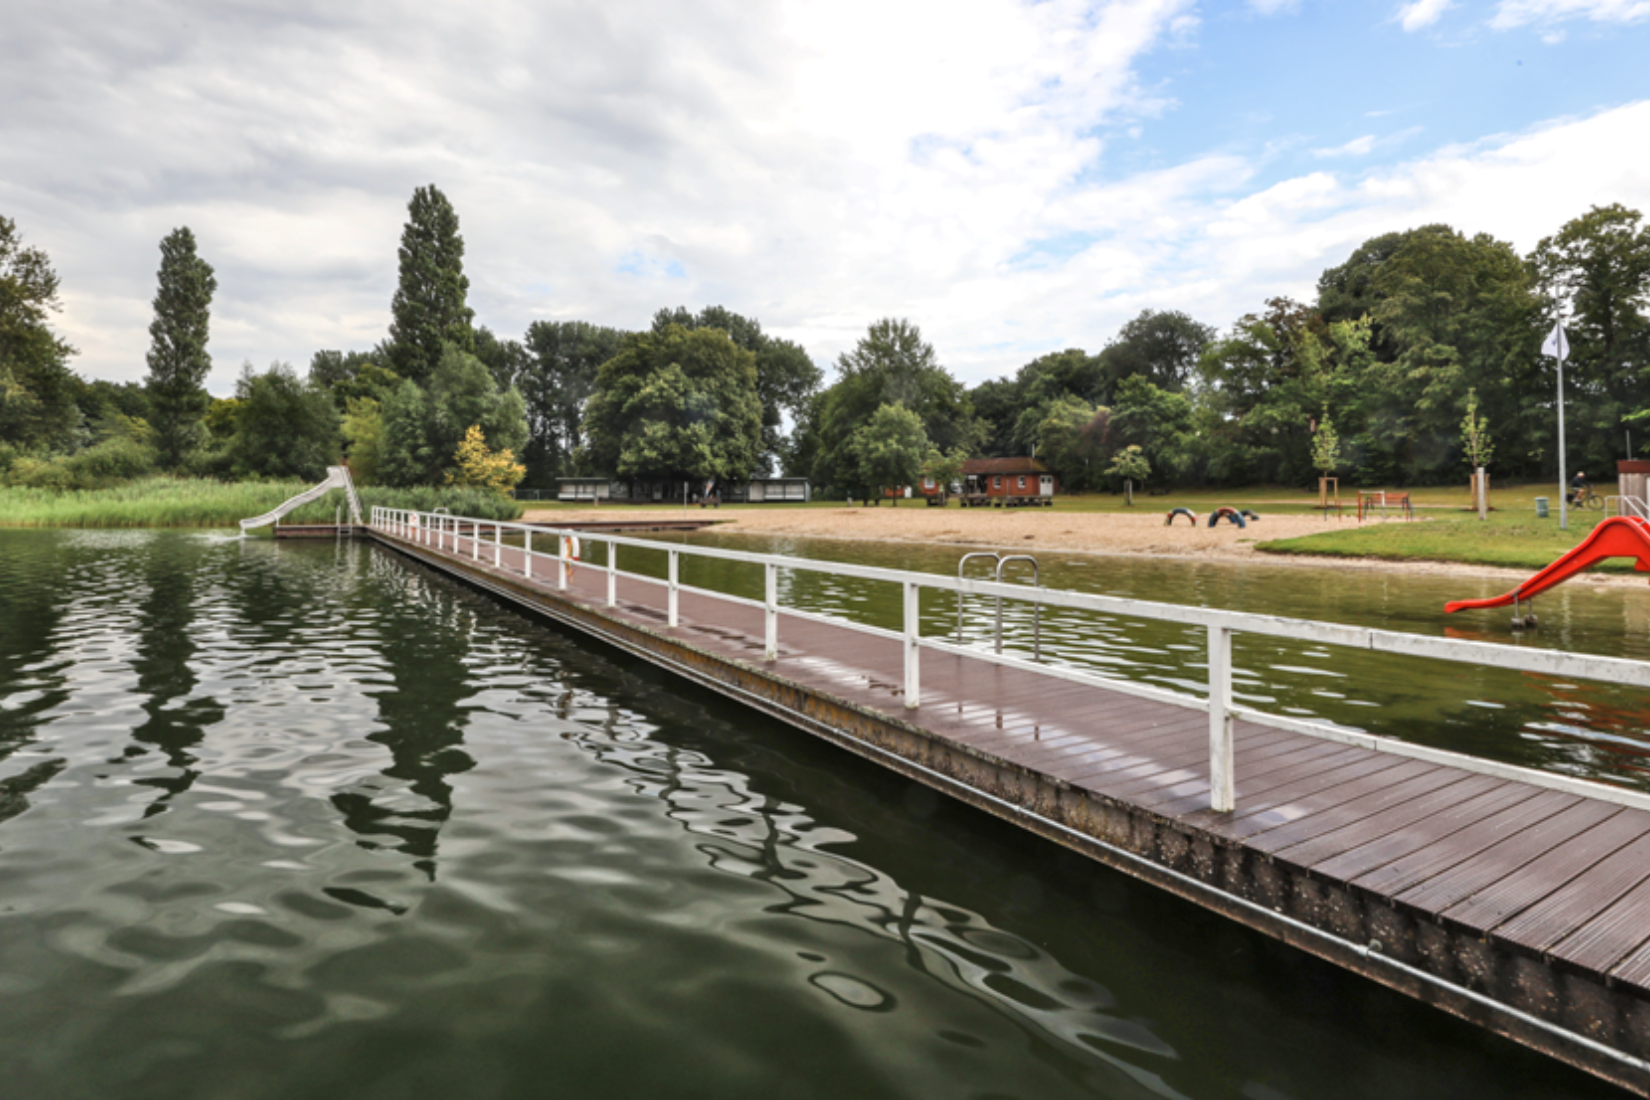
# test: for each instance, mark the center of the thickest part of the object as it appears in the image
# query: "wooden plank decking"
(1474, 865)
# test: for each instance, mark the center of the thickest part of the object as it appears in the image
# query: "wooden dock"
(1520, 905)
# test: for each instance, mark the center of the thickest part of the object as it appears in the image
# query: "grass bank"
(1512, 539)
(193, 502)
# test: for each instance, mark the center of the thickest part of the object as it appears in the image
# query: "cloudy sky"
(1014, 177)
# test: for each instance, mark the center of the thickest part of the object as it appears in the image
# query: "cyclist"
(1580, 489)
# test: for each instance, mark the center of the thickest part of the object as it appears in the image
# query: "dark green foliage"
(178, 361)
(37, 389)
(891, 365)
(106, 465)
(676, 403)
(557, 380)
(785, 376)
(429, 308)
(507, 360)
(889, 451)
(285, 427)
(353, 375)
(423, 428)
(1161, 346)
(1596, 271)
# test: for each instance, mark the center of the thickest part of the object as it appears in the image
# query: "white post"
(913, 635)
(475, 540)
(770, 602)
(1222, 785)
(672, 601)
(612, 574)
(498, 545)
(561, 561)
(1483, 487)
(1563, 479)
(527, 554)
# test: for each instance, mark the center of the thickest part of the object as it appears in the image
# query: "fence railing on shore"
(444, 532)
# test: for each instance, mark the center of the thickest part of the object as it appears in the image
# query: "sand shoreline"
(1100, 534)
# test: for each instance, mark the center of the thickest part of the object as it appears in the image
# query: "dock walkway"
(1522, 905)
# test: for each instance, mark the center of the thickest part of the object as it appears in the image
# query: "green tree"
(478, 466)
(889, 450)
(1154, 420)
(178, 361)
(1326, 446)
(285, 427)
(429, 309)
(1131, 466)
(1596, 272)
(1161, 346)
(557, 380)
(1476, 443)
(945, 468)
(785, 376)
(422, 428)
(891, 365)
(677, 403)
(1072, 439)
(37, 389)
(363, 426)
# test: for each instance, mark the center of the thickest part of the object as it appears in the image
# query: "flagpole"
(1559, 348)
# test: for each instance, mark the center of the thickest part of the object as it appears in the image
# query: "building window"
(1022, 483)
(996, 483)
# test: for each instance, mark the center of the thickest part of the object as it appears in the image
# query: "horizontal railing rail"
(446, 532)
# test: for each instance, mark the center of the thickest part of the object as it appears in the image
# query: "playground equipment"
(1616, 537)
(1232, 515)
(337, 478)
(1168, 520)
(1383, 499)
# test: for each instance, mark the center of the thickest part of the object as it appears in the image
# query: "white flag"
(1556, 346)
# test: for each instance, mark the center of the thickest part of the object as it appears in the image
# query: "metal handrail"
(1627, 506)
(1220, 624)
(961, 563)
(1036, 607)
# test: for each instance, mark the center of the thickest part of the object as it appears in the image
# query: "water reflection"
(177, 718)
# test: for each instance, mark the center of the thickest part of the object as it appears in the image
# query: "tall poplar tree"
(429, 307)
(178, 362)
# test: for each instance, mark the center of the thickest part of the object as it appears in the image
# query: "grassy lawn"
(192, 502)
(1515, 539)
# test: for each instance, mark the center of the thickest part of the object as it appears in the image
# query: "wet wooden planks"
(1558, 875)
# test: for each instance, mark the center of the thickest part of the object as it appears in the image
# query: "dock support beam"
(1222, 784)
(913, 650)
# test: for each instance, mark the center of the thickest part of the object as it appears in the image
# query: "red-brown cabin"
(1008, 481)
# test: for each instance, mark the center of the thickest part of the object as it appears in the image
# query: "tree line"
(1416, 357)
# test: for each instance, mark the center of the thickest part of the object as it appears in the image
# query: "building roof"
(1020, 465)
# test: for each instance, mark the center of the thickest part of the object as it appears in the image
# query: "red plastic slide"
(1617, 537)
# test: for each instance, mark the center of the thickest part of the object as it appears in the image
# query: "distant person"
(1579, 487)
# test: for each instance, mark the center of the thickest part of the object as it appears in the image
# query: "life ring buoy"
(1232, 515)
(570, 551)
(1168, 520)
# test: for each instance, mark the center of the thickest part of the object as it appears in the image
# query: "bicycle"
(1586, 498)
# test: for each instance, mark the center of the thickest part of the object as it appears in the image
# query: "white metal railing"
(442, 532)
(1627, 506)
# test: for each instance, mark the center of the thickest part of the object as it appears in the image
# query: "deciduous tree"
(37, 390)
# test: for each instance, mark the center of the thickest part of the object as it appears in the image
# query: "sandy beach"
(1142, 533)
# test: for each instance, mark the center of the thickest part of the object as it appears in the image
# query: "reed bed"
(195, 502)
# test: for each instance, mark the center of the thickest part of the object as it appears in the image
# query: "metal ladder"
(1036, 607)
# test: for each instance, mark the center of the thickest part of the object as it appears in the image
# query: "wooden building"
(1010, 482)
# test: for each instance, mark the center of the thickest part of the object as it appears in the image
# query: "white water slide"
(337, 478)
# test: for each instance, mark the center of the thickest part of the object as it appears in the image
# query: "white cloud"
(1357, 147)
(1518, 13)
(815, 164)
(1421, 13)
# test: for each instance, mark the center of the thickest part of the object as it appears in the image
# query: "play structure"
(1168, 520)
(1240, 516)
(1617, 537)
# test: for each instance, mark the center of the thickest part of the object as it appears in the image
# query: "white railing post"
(498, 545)
(673, 599)
(475, 540)
(612, 574)
(770, 610)
(1222, 784)
(913, 651)
(527, 554)
(561, 561)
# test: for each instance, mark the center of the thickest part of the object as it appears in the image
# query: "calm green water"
(299, 820)
(1586, 729)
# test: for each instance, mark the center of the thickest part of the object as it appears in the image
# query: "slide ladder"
(337, 478)
(1617, 537)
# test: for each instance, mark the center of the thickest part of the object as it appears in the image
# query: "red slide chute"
(1618, 537)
